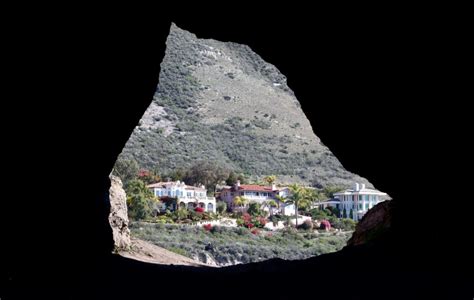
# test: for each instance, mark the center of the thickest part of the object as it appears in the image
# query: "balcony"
(257, 198)
(197, 198)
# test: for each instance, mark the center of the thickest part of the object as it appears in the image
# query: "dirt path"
(150, 253)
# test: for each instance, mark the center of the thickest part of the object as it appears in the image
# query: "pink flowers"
(262, 221)
(251, 221)
(255, 231)
(325, 224)
(207, 227)
(143, 173)
(199, 209)
(247, 218)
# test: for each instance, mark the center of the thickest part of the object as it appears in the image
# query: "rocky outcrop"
(221, 102)
(376, 221)
(118, 217)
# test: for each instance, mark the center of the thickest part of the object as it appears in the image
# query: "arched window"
(210, 207)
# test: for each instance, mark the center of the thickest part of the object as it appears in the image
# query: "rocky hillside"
(221, 102)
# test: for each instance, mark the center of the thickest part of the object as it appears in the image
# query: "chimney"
(237, 184)
(274, 187)
(356, 187)
(362, 186)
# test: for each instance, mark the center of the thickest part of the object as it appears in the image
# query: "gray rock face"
(221, 102)
(118, 217)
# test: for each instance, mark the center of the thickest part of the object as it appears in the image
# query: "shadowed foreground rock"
(118, 217)
(377, 221)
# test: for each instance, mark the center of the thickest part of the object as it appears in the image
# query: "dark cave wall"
(104, 79)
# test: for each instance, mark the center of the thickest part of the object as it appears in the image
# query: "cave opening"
(224, 168)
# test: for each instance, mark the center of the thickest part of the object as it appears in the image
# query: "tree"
(313, 196)
(232, 179)
(221, 207)
(242, 178)
(240, 201)
(255, 209)
(140, 200)
(280, 200)
(270, 179)
(148, 177)
(126, 169)
(206, 173)
(299, 197)
(176, 175)
(270, 204)
(330, 190)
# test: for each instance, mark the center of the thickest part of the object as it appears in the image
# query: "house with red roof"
(255, 193)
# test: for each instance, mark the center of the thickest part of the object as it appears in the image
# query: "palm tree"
(299, 197)
(240, 201)
(270, 204)
(314, 196)
(270, 179)
(280, 200)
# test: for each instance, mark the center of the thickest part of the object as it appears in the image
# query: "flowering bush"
(207, 227)
(143, 173)
(255, 231)
(147, 176)
(250, 221)
(262, 221)
(199, 209)
(325, 224)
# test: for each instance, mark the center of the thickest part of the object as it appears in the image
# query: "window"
(367, 197)
(360, 197)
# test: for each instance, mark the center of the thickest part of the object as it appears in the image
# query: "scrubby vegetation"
(179, 133)
(331, 215)
(230, 245)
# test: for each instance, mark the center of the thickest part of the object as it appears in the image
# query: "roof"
(255, 187)
(172, 183)
(188, 187)
(364, 191)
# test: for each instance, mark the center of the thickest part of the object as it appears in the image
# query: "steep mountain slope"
(221, 102)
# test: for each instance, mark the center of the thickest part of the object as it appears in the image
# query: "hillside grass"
(230, 245)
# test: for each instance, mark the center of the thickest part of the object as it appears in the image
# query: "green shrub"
(231, 244)
(307, 225)
(221, 207)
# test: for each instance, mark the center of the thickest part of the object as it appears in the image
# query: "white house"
(257, 193)
(186, 195)
(354, 203)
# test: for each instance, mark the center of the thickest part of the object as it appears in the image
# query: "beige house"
(187, 196)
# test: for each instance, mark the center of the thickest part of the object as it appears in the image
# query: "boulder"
(118, 217)
(375, 222)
